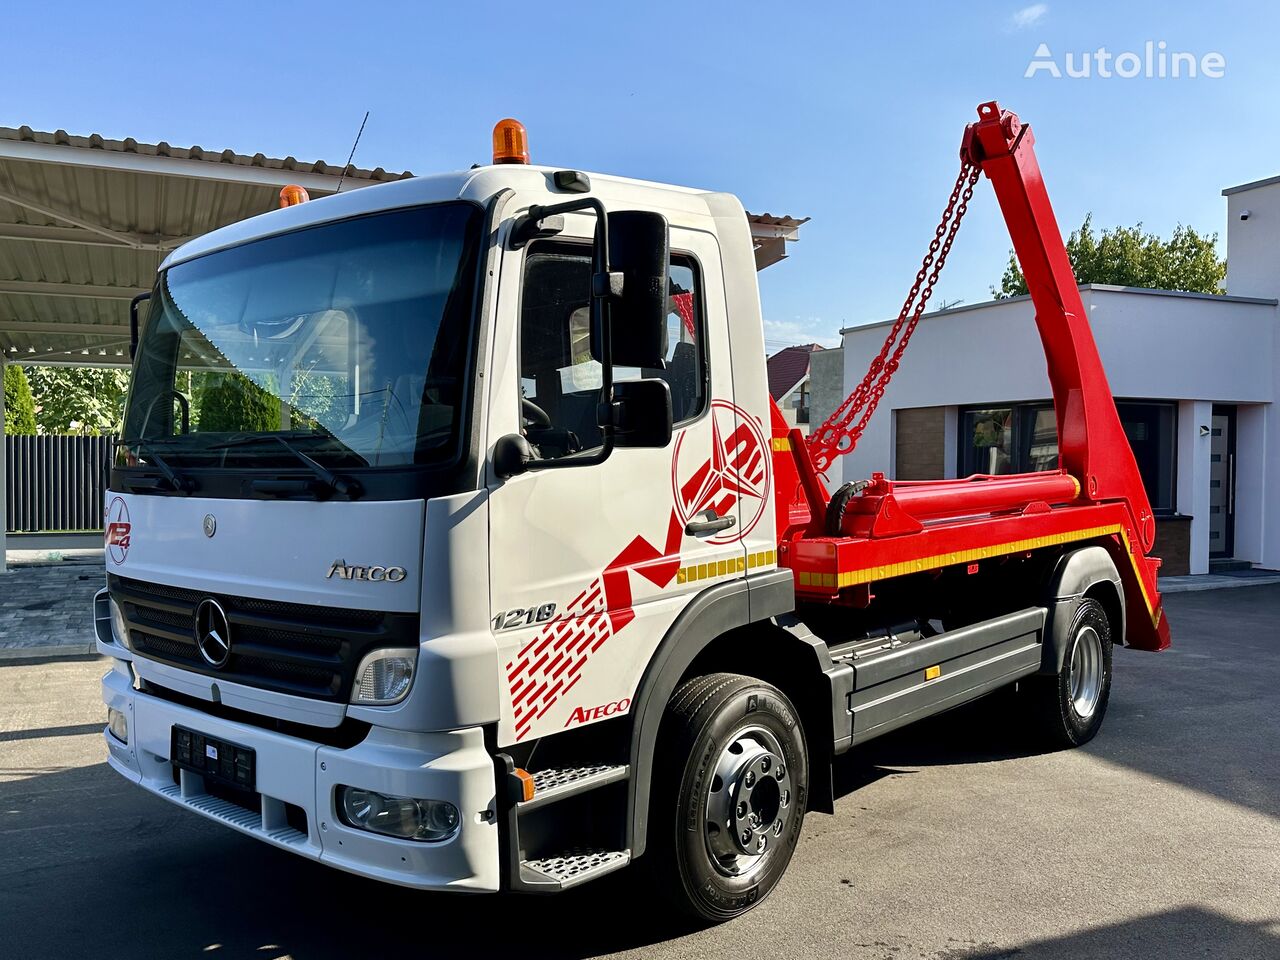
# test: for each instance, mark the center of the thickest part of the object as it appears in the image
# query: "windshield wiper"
(350, 489)
(179, 483)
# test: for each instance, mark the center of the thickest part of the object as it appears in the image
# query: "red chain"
(836, 436)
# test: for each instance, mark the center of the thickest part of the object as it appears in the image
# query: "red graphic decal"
(683, 303)
(738, 473)
(549, 665)
(119, 530)
(583, 714)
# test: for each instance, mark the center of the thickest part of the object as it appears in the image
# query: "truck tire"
(729, 796)
(1070, 705)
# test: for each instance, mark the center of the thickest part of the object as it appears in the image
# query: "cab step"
(572, 868)
(560, 782)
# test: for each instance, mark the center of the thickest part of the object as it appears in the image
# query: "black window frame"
(580, 248)
(1023, 413)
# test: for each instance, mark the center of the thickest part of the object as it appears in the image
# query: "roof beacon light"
(292, 195)
(510, 142)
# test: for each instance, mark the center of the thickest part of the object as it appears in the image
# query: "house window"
(1151, 427)
(802, 403)
(1023, 438)
(1001, 439)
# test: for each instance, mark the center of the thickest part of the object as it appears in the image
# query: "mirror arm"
(133, 321)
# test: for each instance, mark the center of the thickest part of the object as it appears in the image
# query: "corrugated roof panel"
(95, 141)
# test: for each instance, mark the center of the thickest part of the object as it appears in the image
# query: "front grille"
(294, 648)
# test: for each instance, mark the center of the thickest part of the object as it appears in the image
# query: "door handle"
(1231, 484)
(709, 522)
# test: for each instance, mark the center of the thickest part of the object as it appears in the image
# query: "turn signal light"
(292, 195)
(510, 142)
(527, 787)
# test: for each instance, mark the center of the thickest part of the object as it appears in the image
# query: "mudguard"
(1087, 570)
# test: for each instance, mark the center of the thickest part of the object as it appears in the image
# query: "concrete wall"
(826, 392)
(1192, 494)
(1253, 269)
(826, 383)
(1253, 245)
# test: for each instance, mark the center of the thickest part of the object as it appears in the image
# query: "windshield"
(349, 341)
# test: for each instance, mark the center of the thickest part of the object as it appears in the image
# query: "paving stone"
(49, 602)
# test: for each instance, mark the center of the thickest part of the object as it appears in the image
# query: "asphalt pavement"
(953, 839)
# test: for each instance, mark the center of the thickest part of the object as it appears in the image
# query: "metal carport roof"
(85, 222)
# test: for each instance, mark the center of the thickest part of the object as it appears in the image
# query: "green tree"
(1129, 257)
(19, 407)
(231, 401)
(82, 400)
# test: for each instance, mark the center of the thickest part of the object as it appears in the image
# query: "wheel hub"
(749, 801)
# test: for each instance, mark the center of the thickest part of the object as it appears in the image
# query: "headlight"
(119, 626)
(404, 817)
(118, 724)
(384, 676)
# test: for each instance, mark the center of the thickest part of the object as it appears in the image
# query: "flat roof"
(1104, 287)
(1251, 185)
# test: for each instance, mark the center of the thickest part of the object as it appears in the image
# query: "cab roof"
(477, 185)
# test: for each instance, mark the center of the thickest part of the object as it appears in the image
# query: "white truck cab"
(296, 645)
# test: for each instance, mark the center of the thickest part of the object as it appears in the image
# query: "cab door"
(592, 563)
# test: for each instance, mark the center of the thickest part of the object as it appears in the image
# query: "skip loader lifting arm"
(881, 528)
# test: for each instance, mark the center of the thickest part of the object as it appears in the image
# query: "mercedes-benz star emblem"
(213, 634)
(210, 524)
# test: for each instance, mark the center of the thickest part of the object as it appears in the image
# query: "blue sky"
(848, 113)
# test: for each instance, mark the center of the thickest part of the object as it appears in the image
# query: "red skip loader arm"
(887, 528)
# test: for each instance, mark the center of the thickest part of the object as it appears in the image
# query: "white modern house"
(1196, 379)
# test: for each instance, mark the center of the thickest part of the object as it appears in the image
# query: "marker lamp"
(384, 676)
(429, 821)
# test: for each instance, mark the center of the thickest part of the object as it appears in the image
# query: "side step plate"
(558, 783)
(572, 868)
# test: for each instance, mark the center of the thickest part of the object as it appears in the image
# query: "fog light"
(118, 724)
(404, 817)
(119, 626)
(384, 676)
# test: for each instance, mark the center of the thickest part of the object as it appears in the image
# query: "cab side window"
(560, 382)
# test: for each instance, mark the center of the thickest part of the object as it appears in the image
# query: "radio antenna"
(352, 154)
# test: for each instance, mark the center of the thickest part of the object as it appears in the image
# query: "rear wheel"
(1070, 706)
(729, 798)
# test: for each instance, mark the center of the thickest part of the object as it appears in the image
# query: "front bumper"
(452, 766)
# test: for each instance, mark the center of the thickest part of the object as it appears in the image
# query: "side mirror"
(642, 413)
(640, 252)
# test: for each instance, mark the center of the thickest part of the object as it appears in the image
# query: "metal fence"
(54, 483)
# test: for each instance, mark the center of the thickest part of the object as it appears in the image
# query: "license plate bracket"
(217, 759)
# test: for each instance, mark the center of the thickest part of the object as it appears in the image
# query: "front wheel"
(1070, 705)
(730, 794)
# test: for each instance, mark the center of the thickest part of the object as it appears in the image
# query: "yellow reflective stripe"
(885, 571)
